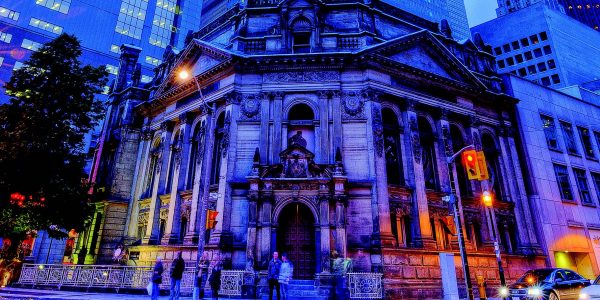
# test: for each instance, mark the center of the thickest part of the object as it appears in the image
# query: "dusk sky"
(479, 11)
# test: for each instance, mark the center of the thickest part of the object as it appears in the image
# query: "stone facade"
(314, 127)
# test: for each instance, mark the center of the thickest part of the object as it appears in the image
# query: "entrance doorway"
(296, 237)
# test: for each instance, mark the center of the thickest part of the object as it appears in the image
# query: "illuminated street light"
(183, 74)
(488, 199)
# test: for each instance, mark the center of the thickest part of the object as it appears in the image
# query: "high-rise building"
(552, 49)
(102, 28)
(587, 12)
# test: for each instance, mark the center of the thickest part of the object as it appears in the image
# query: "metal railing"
(365, 285)
(118, 277)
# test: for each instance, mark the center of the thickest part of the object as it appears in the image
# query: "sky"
(479, 11)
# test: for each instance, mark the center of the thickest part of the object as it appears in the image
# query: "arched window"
(191, 173)
(458, 143)
(301, 129)
(301, 35)
(171, 169)
(428, 153)
(393, 155)
(217, 149)
(151, 169)
(493, 163)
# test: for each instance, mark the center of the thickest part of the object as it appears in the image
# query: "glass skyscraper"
(102, 27)
(584, 11)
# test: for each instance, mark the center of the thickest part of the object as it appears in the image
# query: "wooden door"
(296, 237)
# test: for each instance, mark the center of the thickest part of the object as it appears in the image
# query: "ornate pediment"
(423, 54)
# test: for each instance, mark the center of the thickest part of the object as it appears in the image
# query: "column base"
(171, 239)
(191, 239)
(150, 241)
(425, 243)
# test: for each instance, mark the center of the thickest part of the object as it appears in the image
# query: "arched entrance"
(296, 237)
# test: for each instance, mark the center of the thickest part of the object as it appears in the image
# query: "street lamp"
(184, 75)
(488, 201)
(458, 222)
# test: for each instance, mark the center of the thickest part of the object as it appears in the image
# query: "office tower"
(587, 12)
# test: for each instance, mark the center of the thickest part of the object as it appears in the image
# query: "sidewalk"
(17, 293)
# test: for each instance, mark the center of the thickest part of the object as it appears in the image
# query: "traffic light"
(487, 198)
(471, 164)
(211, 219)
(483, 170)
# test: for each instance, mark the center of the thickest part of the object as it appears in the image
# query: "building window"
(131, 18)
(393, 155)
(501, 64)
(534, 39)
(162, 24)
(551, 64)
(586, 140)
(18, 65)
(547, 50)
(546, 81)
(510, 61)
(498, 50)
(153, 61)
(515, 45)
(519, 58)
(562, 179)
(555, 79)
(506, 48)
(429, 159)
(582, 185)
(45, 26)
(596, 179)
(531, 69)
(542, 66)
(528, 55)
(1, 61)
(112, 69)
(550, 132)
(569, 137)
(522, 72)
(30, 45)
(543, 36)
(537, 52)
(58, 5)
(7, 13)
(524, 42)
(115, 49)
(5, 37)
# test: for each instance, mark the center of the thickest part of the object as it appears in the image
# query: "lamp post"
(488, 201)
(184, 75)
(458, 222)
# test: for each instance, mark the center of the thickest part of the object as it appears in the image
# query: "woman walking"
(215, 280)
(285, 275)
(157, 278)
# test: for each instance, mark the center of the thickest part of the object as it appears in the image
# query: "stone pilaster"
(143, 158)
(323, 150)
(324, 232)
(277, 120)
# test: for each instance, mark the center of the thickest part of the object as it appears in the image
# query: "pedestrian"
(177, 267)
(337, 267)
(273, 276)
(215, 280)
(157, 278)
(285, 275)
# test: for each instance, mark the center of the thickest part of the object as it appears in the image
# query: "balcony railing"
(118, 277)
(365, 285)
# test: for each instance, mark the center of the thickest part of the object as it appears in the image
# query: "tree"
(52, 106)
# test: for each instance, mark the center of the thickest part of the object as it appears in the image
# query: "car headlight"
(584, 296)
(503, 291)
(534, 291)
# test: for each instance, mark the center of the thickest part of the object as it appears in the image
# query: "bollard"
(481, 285)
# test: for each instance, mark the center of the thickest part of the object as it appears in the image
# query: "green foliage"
(52, 107)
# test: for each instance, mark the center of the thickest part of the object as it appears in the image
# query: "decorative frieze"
(308, 76)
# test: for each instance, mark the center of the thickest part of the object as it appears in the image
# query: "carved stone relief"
(378, 131)
(353, 105)
(250, 107)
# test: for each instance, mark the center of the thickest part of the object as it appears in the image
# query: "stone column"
(421, 226)
(324, 232)
(337, 120)
(324, 150)
(264, 128)
(153, 228)
(277, 119)
(140, 176)
(251, 236)
(382, 228)
(180, 149)
(264, 226)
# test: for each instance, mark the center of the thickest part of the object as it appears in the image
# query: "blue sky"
(479, 11)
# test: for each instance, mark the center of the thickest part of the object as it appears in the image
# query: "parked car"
(591, 292)
(548, 284)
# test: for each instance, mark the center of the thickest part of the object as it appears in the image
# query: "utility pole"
(458, 222)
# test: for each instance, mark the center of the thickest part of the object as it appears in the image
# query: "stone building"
(311, 127)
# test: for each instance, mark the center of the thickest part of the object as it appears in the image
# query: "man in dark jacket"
(157, 278)
(274, 267)
(177, 267)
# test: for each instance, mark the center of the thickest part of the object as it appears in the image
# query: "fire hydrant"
(481, 284)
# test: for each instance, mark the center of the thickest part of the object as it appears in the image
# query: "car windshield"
(534, 276)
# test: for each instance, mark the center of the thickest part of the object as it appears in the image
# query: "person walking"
(285, 275)
(273, 276)
(215, 280)
(177, 268)
(157, 278)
